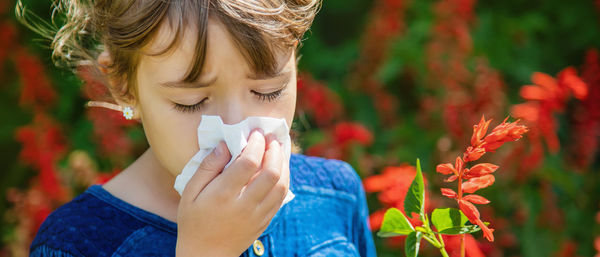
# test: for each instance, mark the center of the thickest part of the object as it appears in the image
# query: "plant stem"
(462, 236)
(443, 252)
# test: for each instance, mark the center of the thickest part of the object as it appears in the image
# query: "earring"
(128, 112)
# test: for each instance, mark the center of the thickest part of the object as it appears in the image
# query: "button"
(259, 248)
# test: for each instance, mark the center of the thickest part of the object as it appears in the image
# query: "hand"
(222, 212)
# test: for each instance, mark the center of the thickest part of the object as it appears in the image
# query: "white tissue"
(212, 130)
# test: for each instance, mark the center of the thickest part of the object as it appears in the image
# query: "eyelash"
(196, 107)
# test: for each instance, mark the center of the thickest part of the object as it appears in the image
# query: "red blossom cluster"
(342, 137)
(392, 185)
(452, 243)
(480, 175)
(317, 100)
(546, 97)
(324, 106)
(44, 145)
(586, 115)
(386, 22)
(468, 90)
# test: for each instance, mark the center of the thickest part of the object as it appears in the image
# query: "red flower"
(546, 97)
(503, 133)
(317, 100)
(480, 170)
(393, 184)
(472, 248)
(447, 192)
(479, 131)
(446, 169)
(37, 91)
(473, 215)
(477, 183)
(348, 132)
(479, 176)
(476, 199)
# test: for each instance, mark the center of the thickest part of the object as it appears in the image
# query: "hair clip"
(127, 110)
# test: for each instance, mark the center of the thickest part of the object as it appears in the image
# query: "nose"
(233, 111)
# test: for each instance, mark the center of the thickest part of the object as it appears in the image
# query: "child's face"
(170, 127)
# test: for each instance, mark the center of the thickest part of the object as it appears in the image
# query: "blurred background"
(382, 83)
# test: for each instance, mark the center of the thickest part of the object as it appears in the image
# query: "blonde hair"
(123, 27)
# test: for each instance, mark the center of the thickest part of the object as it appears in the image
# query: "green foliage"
(415, 198)
(413, 241)
(448, 221)
(395, 224)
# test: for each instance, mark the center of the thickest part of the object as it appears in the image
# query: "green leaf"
(467, 229)
(448, 218)
(452, 221)
(411, 245)
(394, 224)
(415, 197)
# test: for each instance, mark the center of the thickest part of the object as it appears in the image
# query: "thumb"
(211, 166)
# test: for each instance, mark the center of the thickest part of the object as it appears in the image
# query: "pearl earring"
(128, 112)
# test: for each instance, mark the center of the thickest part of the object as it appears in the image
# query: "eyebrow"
(181, 84)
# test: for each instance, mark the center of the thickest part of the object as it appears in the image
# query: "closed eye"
(270, 96)
(198, 106)
(189, 108)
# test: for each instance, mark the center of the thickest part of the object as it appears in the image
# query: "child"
(167, 63)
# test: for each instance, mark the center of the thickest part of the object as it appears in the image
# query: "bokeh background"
(382, 83)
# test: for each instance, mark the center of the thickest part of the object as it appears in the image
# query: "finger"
(210, 167)
(269, 174)
(246, 164)
(275, 197)
(272, 202)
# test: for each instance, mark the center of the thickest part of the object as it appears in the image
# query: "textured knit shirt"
(328, 217)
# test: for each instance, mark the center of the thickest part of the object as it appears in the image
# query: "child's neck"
(148, 185)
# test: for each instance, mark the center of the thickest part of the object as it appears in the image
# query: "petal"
(451, 178)
(568, 77)
(459, 165)
(534, 93)
(469, 210)
(476, 199)
(477, 183)
(482, 169)
(546, 81)
(376, 183)
(473, 154)
(446, 169)
(479, 131)
(447, 192)
(487, 232)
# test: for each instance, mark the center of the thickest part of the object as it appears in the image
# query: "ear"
(117, 86)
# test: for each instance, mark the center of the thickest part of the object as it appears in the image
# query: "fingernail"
(259, 130)
(270, 138)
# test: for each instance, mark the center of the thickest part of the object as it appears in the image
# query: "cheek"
(172, 136)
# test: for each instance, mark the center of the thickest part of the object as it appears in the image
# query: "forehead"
(173, 50)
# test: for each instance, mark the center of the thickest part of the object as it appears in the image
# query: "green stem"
(443, 252)
(432, 241)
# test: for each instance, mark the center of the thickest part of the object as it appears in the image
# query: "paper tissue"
(212, 130)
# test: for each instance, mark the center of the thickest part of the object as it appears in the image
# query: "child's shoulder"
(85, 225)
(322, 173)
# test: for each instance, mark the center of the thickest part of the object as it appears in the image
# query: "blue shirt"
(328, 217)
